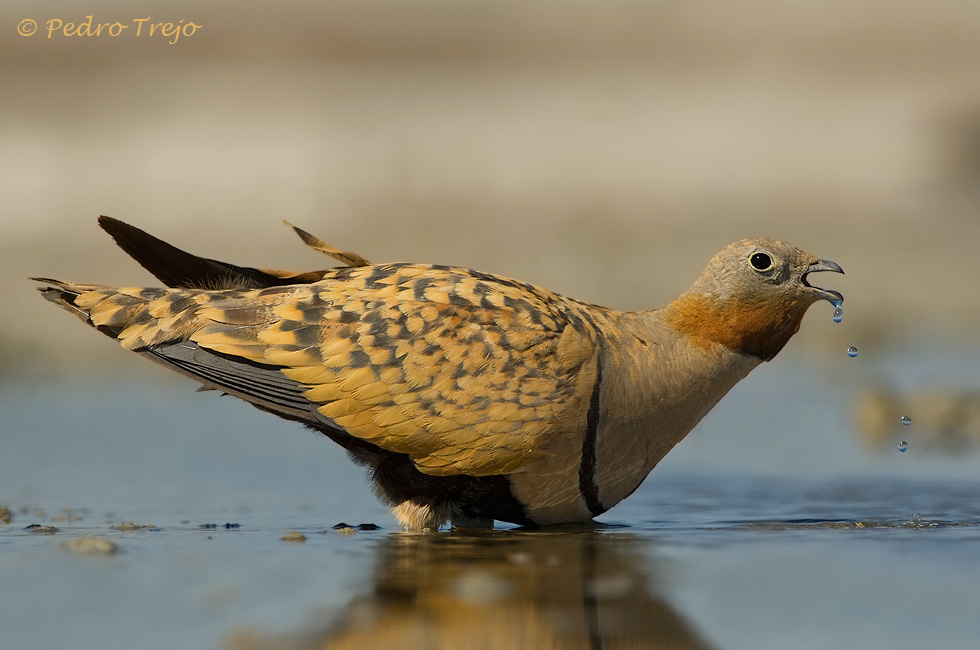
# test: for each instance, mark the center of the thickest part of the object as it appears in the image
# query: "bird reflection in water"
(503, 589)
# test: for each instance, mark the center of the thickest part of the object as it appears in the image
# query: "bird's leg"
(418, 517)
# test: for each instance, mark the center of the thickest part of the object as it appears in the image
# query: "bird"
(470, 397)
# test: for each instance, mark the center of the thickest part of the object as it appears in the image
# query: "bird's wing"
(177, 268)
(466, 373)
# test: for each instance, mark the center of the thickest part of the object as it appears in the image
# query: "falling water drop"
(902, 446)
(838, 311)
(852, 351)
(906, 420)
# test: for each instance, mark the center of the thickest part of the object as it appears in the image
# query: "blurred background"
(602, 150)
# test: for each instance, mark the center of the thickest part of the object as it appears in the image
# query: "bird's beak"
(824, 294)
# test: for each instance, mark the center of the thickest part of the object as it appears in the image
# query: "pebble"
(214, 526)
(38, 529)
(90, 546)
(342, 525)
(132, 526)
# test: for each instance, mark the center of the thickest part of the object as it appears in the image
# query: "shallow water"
(859, 551)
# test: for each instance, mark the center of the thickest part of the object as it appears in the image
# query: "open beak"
(824, 294)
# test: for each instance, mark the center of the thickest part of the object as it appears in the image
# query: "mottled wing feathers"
(465, 373)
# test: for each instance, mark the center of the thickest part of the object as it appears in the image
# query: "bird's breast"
(644, 394)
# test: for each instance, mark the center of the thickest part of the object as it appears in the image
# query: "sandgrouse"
(471, 397)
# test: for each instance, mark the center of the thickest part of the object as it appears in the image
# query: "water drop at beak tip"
(838, 310)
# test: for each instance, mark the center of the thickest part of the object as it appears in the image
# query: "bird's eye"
(761, 261)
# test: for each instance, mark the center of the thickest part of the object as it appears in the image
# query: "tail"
(64, 294)
(136, 317)
(177, 268)
(158, 323)
(205, 294)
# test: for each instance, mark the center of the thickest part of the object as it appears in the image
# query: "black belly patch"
(491, 497)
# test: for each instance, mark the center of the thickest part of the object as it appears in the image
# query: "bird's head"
(752, 296)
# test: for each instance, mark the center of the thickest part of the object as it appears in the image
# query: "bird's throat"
(758, 329)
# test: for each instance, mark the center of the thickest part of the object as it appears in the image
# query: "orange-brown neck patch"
(756, 328)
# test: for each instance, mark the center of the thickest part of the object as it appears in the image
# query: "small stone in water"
(902, 446)
(906, 420)
(852, 351)
(40, 529)
(90, 546)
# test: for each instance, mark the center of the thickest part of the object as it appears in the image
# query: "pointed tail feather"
(178, 268)
(141, 321)
(347, 257)
(63, 294)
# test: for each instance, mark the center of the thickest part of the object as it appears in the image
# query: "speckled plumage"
(472, 397)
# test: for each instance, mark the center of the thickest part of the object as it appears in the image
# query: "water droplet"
(838, 311)
(852, 351)
(902, 446)
(906, 420)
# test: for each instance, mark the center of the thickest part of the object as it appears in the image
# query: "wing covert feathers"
(466, 373)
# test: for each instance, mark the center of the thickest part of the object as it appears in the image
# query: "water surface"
(860, 551)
